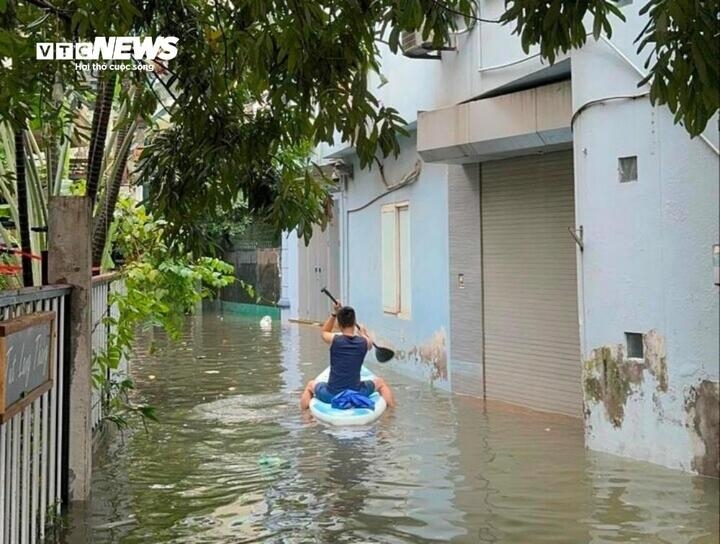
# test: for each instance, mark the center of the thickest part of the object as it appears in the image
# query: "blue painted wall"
(422, 339)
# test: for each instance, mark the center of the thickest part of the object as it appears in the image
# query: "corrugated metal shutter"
(532, 351)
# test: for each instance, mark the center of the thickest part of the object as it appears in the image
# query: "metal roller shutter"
(532, 351)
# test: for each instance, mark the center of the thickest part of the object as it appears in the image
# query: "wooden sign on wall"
(26, 361)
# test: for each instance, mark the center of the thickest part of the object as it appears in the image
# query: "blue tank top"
(347, 354)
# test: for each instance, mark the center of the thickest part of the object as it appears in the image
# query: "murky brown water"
(234, 461)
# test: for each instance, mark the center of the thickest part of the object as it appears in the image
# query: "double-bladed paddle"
(382, 355)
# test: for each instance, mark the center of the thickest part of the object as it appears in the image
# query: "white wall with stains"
(647, 265)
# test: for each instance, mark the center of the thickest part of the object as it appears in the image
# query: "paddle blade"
(383, 355)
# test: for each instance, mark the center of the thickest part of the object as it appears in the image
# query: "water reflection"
(234, 461)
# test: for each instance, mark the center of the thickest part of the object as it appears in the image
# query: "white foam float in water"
(266, 323)
(112, 525)
(162, 486)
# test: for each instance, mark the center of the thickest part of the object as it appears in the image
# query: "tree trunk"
(22, 203)
(101, 118)
(111, 193)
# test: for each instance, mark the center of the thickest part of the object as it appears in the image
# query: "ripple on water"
(243, 409)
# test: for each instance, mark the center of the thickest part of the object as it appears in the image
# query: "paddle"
(382, 355)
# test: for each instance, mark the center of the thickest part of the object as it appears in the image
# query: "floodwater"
(234, 461)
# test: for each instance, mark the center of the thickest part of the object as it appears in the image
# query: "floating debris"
(162, 486)
(266, 323)
(114, 524)
(271, 461)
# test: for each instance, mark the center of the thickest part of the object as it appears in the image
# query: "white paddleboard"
(354, 416)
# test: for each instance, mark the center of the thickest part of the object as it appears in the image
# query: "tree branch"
(42, 4)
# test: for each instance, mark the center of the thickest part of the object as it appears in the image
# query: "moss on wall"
(609, 376)
(655, 358)
(608, 382)
(703, 406)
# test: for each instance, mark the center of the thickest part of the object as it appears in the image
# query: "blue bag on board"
(349, 398)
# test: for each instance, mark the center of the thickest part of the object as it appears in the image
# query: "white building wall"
(647, 263)
(478, 66)
(646, 268)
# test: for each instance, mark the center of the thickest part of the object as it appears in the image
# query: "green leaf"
(597, 27)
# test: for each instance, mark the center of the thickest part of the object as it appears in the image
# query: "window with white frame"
(395, 224)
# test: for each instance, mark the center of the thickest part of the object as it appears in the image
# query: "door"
(532, 340)
(319, 264)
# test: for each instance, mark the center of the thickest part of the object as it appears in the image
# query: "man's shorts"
(323, 394)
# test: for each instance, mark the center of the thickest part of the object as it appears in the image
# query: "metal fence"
(33, 445)
(259, 268)
(103, 289)
(99, 298)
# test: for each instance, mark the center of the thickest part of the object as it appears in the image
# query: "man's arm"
(327, 328)
(365, 334)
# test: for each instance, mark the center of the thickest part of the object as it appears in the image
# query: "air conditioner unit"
(413, 45)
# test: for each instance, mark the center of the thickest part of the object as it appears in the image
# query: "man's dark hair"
(346, 317)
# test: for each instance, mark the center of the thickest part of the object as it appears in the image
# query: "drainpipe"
(346, 239)
(483, 351)
(579, 263)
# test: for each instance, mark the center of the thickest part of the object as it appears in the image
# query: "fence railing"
(33, 444)
(103, 289)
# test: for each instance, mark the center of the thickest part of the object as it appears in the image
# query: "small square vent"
(627, 169)
(634, 341)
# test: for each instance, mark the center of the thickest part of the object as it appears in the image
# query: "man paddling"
(347, 353)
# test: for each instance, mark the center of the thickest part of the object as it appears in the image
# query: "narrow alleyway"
(233, 460)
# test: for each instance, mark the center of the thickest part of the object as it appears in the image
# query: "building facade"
(544, 238)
